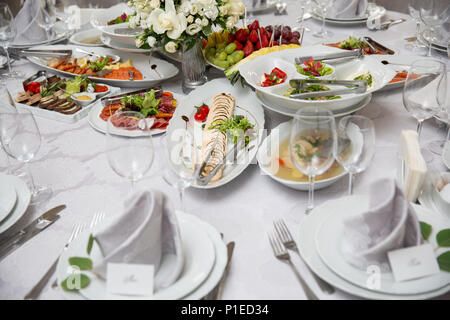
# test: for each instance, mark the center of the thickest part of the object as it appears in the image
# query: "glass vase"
(193, 66)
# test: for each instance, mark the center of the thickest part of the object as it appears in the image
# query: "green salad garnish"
(352, 43)
(147, 104)
(234, 127)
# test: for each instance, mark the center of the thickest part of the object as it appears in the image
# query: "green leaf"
(425, 228)
(443, 238)
(444, 261)
(81, 263)
(90, 244)
(75, 282)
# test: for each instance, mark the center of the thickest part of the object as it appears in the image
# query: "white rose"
(193, 29)
(168, 21)
(205, 22)
(171, 47)
(193, 10)
(151, 41)
(237, 8)
(198, 21)
(230, 23)
(190, 19)
(223, 10)
(144, 15)
(132, 22)
(186, 7)
(139, 42)
(144, 24)
(155, 4)
(212, 13)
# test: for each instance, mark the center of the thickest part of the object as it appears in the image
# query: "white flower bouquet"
(170, 23)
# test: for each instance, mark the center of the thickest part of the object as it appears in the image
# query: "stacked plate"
(274, 97)
(320, 237)
(14, 200)
(373, 10)
(205, 257)
(60, 33)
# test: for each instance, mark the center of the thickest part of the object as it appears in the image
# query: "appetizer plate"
(271, 104)
(265, 158)
(306, 243)
(107, 41)
(199, 260)
(22, 202)
(329, 236)
(253, 73)
(87, 38)
(7, 200)
(140, 62)
(248, 106)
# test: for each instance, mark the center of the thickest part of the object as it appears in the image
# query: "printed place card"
(413, 262)
(129, 279)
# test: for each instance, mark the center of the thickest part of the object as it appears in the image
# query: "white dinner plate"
(329, 237)
(248, 106)
(140, 62)
(90, 34)
(22, 202)
(307, 248)
(8, 198)
(265, 158)
(125, 47)
(199, 254)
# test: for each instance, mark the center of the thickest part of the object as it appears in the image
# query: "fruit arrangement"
(225, 49)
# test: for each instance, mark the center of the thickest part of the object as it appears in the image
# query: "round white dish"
(78, 37)
(265, 158)
(329, 235)
(61, 34)
(427, 199)
(306, 242)
(8, 199)
(83, 103)
(22, 202)
(244, 98)
(107, 41)
(268, 102)
(140, 62)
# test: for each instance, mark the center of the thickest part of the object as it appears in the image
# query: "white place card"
(129, 279)
(413, 262)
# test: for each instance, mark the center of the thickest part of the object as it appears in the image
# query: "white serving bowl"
(264, 157)
(84, 103)
(441, 202)
(102, 94)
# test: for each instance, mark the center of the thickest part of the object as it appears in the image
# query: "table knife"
(22, 236)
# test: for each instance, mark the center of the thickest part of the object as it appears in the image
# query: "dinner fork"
(282, 254)
(286, 238)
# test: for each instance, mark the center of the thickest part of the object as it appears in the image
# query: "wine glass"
(129, 145)
(312, 144)
(323, 5)
(303, 5)
(424, 91)
(7, 34)
(46, 18)
(434, 13)
(355, 146)
(21, 139)
(414, 11)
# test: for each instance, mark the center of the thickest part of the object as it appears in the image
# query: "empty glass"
(7, 34)
(356, 145)
(414, 11)
(46, 18)
(312, 144)
(323, 5)
(434, 13)
(129, 145)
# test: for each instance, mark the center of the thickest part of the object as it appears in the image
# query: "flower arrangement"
(170, 23)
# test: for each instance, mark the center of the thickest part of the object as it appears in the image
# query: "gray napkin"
(28, 30)
(390, 223)
(347, 9)
(145, 231)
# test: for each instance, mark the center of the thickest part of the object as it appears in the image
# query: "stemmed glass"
(356, 145)
(129, 145)
(323, 5)
(312, 144)
(424, 91)
(21, 139)
(434, 13)
(7, 34)
(303, 5)
(46, 18)
(414, 11)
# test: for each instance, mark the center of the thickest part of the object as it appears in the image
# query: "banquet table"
(72, 161)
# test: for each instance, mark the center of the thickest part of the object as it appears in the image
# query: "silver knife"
(219, 288)
(20, 237)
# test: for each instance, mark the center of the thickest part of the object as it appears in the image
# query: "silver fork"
(282, 254)
(286, 238)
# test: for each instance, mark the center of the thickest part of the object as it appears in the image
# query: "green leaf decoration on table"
(81, 263)
(425, 228)
(444, 261)
(90, 244)
(75, 282)
(443, 238)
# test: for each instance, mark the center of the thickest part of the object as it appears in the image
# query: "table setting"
(225, 150)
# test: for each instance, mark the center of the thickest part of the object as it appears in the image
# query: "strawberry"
(254, 25)
(204, 43)
(253, 37)
(239, 45)
(248, 49)
(264, 41)
(241, 35)
(275, 43)
(263, 32)
(231, 37)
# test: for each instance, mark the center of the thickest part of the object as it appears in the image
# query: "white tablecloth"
(73, 163)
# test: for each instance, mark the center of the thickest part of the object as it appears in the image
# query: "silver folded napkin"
(145, 232)
(390, 223)
(28, 30)
(347, 9)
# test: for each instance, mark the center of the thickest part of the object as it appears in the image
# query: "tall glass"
(434, 13)
(414, 11)
(46, 18)
(7, 34)
(323, 5)
(312, 144)
(356, 145)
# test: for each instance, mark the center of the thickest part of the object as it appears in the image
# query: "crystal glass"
(424, 91)
(193, 66)
(130, 150)
(7, 34)
(356, 145)
(323, 5)
(434, 13)
(414, 11)
(46, 18)
(304, 5)
(21, 139)
(312, 144)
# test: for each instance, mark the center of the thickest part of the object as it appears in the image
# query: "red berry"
(253, 37)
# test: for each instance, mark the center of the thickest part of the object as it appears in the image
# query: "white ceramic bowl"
(84, 103)
(264, 158)
(102, 94)
(443, 204)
